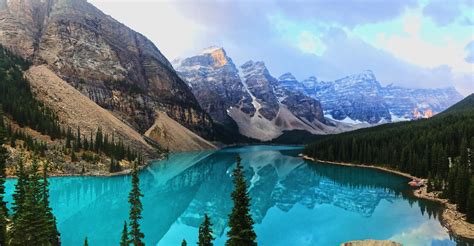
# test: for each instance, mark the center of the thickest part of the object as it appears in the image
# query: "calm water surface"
(294, 202)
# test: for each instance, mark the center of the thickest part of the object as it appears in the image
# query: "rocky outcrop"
(118, 68)
(259, 82)
(76, 110)
(215, 81)
(174, 137)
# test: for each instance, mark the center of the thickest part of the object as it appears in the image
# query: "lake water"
(294, 202)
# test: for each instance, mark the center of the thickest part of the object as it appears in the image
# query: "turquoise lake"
(294, 202)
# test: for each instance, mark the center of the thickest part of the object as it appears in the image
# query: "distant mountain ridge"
(361, 97)
(263, 107)
(250, 97)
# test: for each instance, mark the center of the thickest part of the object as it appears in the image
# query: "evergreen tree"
(36, 232)
(451, 187)
(205, 232)
(184, 243)
(136, 208)
(19, 224)
(240, 220)
(78, 138)
(470, 202)
(73, 156)
(461, 187)
(124, 240)
(85, 242)
(50, 220)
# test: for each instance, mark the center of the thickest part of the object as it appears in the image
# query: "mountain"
(361, 98)
(117, 68)
(249, 97)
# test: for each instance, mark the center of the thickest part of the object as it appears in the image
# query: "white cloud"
(160, 21)
(310, 43)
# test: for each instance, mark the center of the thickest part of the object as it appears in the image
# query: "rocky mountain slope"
(361, 98)
(116, 67)
(261, 106)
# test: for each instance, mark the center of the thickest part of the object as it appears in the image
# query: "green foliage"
(18, 101)
(86, 243)
(205, 232)
(241, 230)
(419, 147)
(184, 243)
(470, 202)
(136, 236)
(124, 240)
(32, 222)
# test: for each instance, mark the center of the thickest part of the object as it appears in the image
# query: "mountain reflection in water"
(292, 201)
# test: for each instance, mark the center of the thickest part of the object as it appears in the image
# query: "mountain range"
(94, 71)
(264, 107)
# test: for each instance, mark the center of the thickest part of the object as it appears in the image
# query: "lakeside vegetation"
(439, 148)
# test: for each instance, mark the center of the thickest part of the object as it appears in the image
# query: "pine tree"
(184, 243)
(240, 221)
(461, 188)
(33, 215)
(19, 224)
(451, 187)
(78, 138)
(73, 156)
(136, 208)
(124, 240)
(85, 242)
(470, 202)
(50, 220)
(205, 232)
(3, 204)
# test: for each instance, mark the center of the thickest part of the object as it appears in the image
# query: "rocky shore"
(371, 242)
(453, 220)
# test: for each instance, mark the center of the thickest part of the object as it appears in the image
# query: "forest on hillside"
(439, 148)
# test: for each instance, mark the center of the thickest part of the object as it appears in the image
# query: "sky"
(410, 43)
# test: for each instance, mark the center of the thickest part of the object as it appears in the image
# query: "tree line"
(439, 149)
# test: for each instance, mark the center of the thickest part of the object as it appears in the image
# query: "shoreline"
(96, 174)
(454, 221)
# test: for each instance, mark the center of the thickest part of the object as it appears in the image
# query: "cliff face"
(118, 68)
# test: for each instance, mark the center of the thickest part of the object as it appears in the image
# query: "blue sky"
(412, 43)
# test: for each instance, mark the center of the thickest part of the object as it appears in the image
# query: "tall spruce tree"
(86, 243)
(205, 232)
(50, 220)
(3, 204)
(19, 224)
(184, 243)
(124, 240)
(470, 202)
(241, 230)
(136, 236)
(462, 188)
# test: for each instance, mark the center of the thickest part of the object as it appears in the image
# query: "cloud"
(442, 12)
(446, 12)
(320, 39)
(345, 13)
(470, 52)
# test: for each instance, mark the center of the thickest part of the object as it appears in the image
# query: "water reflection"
(292, 201)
